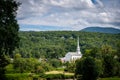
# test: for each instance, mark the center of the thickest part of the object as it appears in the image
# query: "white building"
(72, 56)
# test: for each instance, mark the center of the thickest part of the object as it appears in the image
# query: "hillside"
(102, 30)
(55, 44)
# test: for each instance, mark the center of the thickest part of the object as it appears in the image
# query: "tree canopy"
(55, 44)
(8, 31)
(8, 26)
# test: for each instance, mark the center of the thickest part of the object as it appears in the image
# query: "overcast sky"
(40, 15)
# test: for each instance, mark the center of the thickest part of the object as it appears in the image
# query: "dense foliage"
(89, 68)
(8, 26)
(8, 31)
(100, 51)
(103, 62)
(55, 44)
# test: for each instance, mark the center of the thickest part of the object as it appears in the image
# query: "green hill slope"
(102, 30)
(55, 44)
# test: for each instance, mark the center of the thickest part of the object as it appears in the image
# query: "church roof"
(73, 54)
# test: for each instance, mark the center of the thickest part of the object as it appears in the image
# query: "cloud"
(69, 14)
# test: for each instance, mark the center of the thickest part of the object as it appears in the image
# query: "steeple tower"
(78, 47)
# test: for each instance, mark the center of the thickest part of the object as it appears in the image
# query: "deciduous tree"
(88, 68)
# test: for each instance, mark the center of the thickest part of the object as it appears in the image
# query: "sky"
(51, 15)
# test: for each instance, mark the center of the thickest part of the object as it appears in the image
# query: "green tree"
(25, 64)
(17, 56)
(55, 63)
(94, 52)
(8, 26)
(70, 67)
(8, 30)
(88, 68)
(110, 61)
(79, 65)
(39, 69)
(106, 49)
(4, 61)
(110, 65)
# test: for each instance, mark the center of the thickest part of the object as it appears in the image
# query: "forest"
(55, 44)
(39, 52)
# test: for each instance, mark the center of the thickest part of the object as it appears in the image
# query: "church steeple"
(78, 47)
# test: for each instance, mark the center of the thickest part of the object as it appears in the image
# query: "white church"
(72, 56)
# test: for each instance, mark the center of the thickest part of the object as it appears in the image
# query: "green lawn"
(28, 76)
(59, 72)
(21, 76)
(110, 79)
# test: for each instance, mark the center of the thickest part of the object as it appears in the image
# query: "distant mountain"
(102, 30)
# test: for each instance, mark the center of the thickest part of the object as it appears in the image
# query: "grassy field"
(67, 73)
(59, 72)
(21, 76)
(110, 79)
(26, 76)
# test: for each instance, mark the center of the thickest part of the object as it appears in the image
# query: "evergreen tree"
(8, 30)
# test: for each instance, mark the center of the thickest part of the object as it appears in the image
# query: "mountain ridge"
(102, 30)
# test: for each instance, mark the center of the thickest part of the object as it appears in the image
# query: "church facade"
(72, 56)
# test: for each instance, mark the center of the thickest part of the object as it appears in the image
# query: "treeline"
(95, 63)
(101, 54)
(55, 44)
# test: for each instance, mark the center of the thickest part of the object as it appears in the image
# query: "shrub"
(18, 76)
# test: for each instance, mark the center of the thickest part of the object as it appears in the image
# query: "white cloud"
(72, 14)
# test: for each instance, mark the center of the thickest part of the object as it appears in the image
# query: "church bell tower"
(78, 47)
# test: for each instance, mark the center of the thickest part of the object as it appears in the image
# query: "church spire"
(78, 47)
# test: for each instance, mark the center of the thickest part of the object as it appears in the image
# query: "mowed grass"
(59, 72)
(109, 79)
(18, 74)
